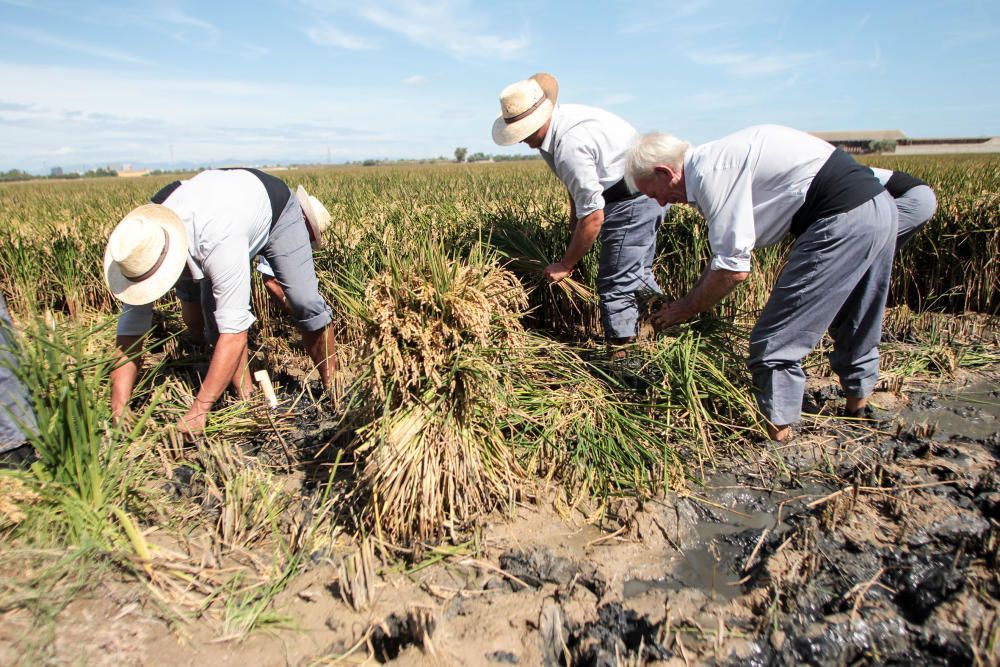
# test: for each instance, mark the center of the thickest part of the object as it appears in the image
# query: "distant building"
(56, 172)
(132, 173)
(860, 141)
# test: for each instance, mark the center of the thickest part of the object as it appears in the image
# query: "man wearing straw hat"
(585, 148)
(754, 187)
(207, 229)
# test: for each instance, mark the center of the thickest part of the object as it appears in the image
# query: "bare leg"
(779, 433)
(240, 381)
(321, 348)
(856, 404)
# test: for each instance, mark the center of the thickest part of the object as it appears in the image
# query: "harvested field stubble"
(470, 382)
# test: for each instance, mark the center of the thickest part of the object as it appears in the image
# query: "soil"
(853, 544)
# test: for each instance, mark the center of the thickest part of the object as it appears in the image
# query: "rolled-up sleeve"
(135, 320)
(576, 167)
(228, 268)
(725, 198)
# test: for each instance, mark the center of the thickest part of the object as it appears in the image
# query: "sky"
(179, 82)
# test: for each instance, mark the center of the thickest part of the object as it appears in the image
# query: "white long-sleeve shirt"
(585, 148)
(227, 215)
(748, 185)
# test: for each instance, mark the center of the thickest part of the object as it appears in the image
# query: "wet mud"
(871, 543)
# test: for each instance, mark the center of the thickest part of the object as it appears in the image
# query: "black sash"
(840, 185)
(277, 191)
(900, 183)
(618, 192)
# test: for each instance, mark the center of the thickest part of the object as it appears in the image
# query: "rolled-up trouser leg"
(289, 253)
(825, 265)
(916, 206)
(857, 328)
(17, 419)
(628, 247)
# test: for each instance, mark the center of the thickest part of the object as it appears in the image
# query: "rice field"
(465, 382)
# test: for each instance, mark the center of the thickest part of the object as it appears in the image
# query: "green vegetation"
(467, 380)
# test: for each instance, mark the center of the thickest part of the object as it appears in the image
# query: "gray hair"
(650, 150)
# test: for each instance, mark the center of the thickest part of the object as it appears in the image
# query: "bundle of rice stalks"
(425, 407)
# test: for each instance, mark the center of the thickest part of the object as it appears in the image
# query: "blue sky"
(85, 84)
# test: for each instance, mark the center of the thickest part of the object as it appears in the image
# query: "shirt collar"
(550, 136)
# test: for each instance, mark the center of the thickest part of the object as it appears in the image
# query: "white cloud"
(744, 64)
(46, 39)
(177, 17)
(451, 26)
(328, 35)
(415, 80)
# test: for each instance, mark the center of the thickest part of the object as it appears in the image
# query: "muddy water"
(972, 411)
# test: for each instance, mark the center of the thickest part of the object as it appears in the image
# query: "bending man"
(207, 229)
(585, 148)
(754, 187)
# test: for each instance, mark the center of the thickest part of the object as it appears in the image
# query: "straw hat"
(524, 107)
(316, 214)
(145, 255)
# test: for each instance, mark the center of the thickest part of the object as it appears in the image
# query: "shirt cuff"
(738, 264)
(233, 321)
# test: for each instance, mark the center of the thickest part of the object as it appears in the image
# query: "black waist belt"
(840, 185)
(277, 192)
(900, 183)
(618, 192)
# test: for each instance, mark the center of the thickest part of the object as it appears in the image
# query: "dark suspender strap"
(277, 191)
(164, 192)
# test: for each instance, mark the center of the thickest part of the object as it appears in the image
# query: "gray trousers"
(916, 206)
(628, 246)
(837, 278)
(289, 252)
(16, 414)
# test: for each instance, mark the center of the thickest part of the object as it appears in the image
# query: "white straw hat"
(145, 255)
(524, 107)
(317, 217)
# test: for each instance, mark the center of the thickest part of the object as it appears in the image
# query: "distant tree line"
(18, 175)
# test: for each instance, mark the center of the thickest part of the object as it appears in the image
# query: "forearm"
(125, 372)
(712, 287)
(223, 368)
(584, 234)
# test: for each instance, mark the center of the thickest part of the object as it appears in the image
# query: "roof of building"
(859, 135)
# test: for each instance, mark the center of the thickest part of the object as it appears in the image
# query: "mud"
(874, 544)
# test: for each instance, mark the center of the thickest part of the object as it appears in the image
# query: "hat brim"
(508, 134)
(311, 216)
(152, 288)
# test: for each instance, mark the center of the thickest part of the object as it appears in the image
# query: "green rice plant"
(86, 468)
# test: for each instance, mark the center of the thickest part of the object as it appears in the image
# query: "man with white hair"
(754, 187)
(206, 230)
(585, 148)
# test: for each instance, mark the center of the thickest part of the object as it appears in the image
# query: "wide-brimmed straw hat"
(145, 255)
(317, 217)
(524, 107)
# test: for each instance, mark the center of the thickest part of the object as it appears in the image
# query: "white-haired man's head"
(654, 165)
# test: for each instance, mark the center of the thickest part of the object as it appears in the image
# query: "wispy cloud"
(415, 80)
(450, 26)
(328, 35)
(745, 64)
(46, 39)
(179, 18)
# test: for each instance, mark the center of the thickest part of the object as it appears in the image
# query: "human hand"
(192, 424)
(557, 271)
(668, 315)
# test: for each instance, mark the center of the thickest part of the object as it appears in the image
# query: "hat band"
(524, 114)
(159, 260)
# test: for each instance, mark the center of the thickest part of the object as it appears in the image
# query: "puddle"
(972, 411)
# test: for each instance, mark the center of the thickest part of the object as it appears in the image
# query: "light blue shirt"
(585, 148)
(227, 215)
(748, 185)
